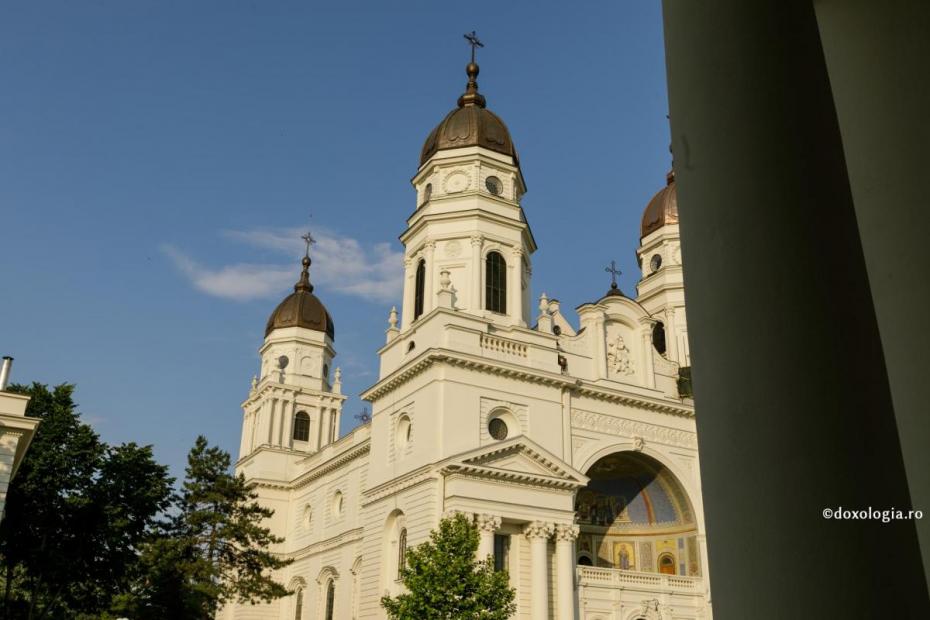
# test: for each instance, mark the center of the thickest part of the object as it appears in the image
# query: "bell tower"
(661, 288)
(296, 402)
(467, 243)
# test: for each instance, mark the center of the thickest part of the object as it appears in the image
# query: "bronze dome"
(470, 124)
(302, 308)
(662, 209)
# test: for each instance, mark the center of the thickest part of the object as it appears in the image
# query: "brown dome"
(302, 308)
(662, 209)
(470, 124)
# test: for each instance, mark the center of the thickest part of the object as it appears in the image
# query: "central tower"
(467, 243)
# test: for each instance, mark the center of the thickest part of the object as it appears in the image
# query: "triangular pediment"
(518, 459)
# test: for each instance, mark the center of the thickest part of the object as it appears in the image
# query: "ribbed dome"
(662, 209)
(302, 308)
(470, 124)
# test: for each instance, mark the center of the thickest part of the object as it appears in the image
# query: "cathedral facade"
(573, 447)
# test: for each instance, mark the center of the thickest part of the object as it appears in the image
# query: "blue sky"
(159, 158)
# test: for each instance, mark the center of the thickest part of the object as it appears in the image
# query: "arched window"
(299, 605)
(330, 599)
(401, 552)
(584, 561)
(495, 283)
(667, 564)
(658, 337)
(419, 291)
(301, 426)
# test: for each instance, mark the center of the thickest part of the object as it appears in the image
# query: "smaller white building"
(16, 431)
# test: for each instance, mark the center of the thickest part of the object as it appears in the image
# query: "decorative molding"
(504, 369)
(537, 530)
(343, 538)
(488, 523)
(412, 479)
(566, 532)
(512, 477)
(623, 427)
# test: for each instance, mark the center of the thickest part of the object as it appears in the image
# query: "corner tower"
(661, 288)
(467, 243)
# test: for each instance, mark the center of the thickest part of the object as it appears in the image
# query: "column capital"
(477, 240)
(429, 246)
(537, 529)
(566, 531)
(488, 523)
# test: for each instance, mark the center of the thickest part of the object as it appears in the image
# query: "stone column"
(288, 440)
(538, 534)
(409, 287)
(515, 285)
(429, 293)
(565, 535)
(337, 416)
(487, 525)
(477, 270)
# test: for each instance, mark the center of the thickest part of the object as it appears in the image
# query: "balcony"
(592, 577)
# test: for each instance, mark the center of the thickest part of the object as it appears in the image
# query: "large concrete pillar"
(873, 52)
(538, 534)
(790, 380)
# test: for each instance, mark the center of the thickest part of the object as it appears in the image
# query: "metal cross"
(474, 42)
(309, 241)
(614, 272)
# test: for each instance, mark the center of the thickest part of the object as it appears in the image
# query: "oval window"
(497, 428)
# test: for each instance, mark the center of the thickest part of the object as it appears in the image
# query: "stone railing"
(616, 578)
(502, 345)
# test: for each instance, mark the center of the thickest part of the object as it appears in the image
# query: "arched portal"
(636, 515)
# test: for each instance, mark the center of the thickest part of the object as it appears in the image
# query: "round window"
(497, 428)
(494, 185)
(655, 262)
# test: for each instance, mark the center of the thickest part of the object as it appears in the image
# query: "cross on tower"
(474, 42)
(614, 272)
(309, 241)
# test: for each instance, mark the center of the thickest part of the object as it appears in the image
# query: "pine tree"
(445, 582)
(216, 549)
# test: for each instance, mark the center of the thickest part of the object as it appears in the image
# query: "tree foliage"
(445, 582)
(76, 513)
(215, 550)
(94, 531)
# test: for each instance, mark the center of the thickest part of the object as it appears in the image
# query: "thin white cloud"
(340, 264)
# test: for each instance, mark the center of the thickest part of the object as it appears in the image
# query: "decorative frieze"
(623, 427)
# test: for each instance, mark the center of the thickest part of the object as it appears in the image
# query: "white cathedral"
(572, 447)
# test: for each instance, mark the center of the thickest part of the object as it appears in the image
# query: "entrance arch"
(636, 515)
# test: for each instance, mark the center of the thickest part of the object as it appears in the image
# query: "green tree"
(76, 513)
(214, 551)
(445, 582)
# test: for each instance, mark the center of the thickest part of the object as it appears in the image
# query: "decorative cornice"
(503, 369)
(411, 479)
(343, 538)
(513, 477)
(332, 464)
